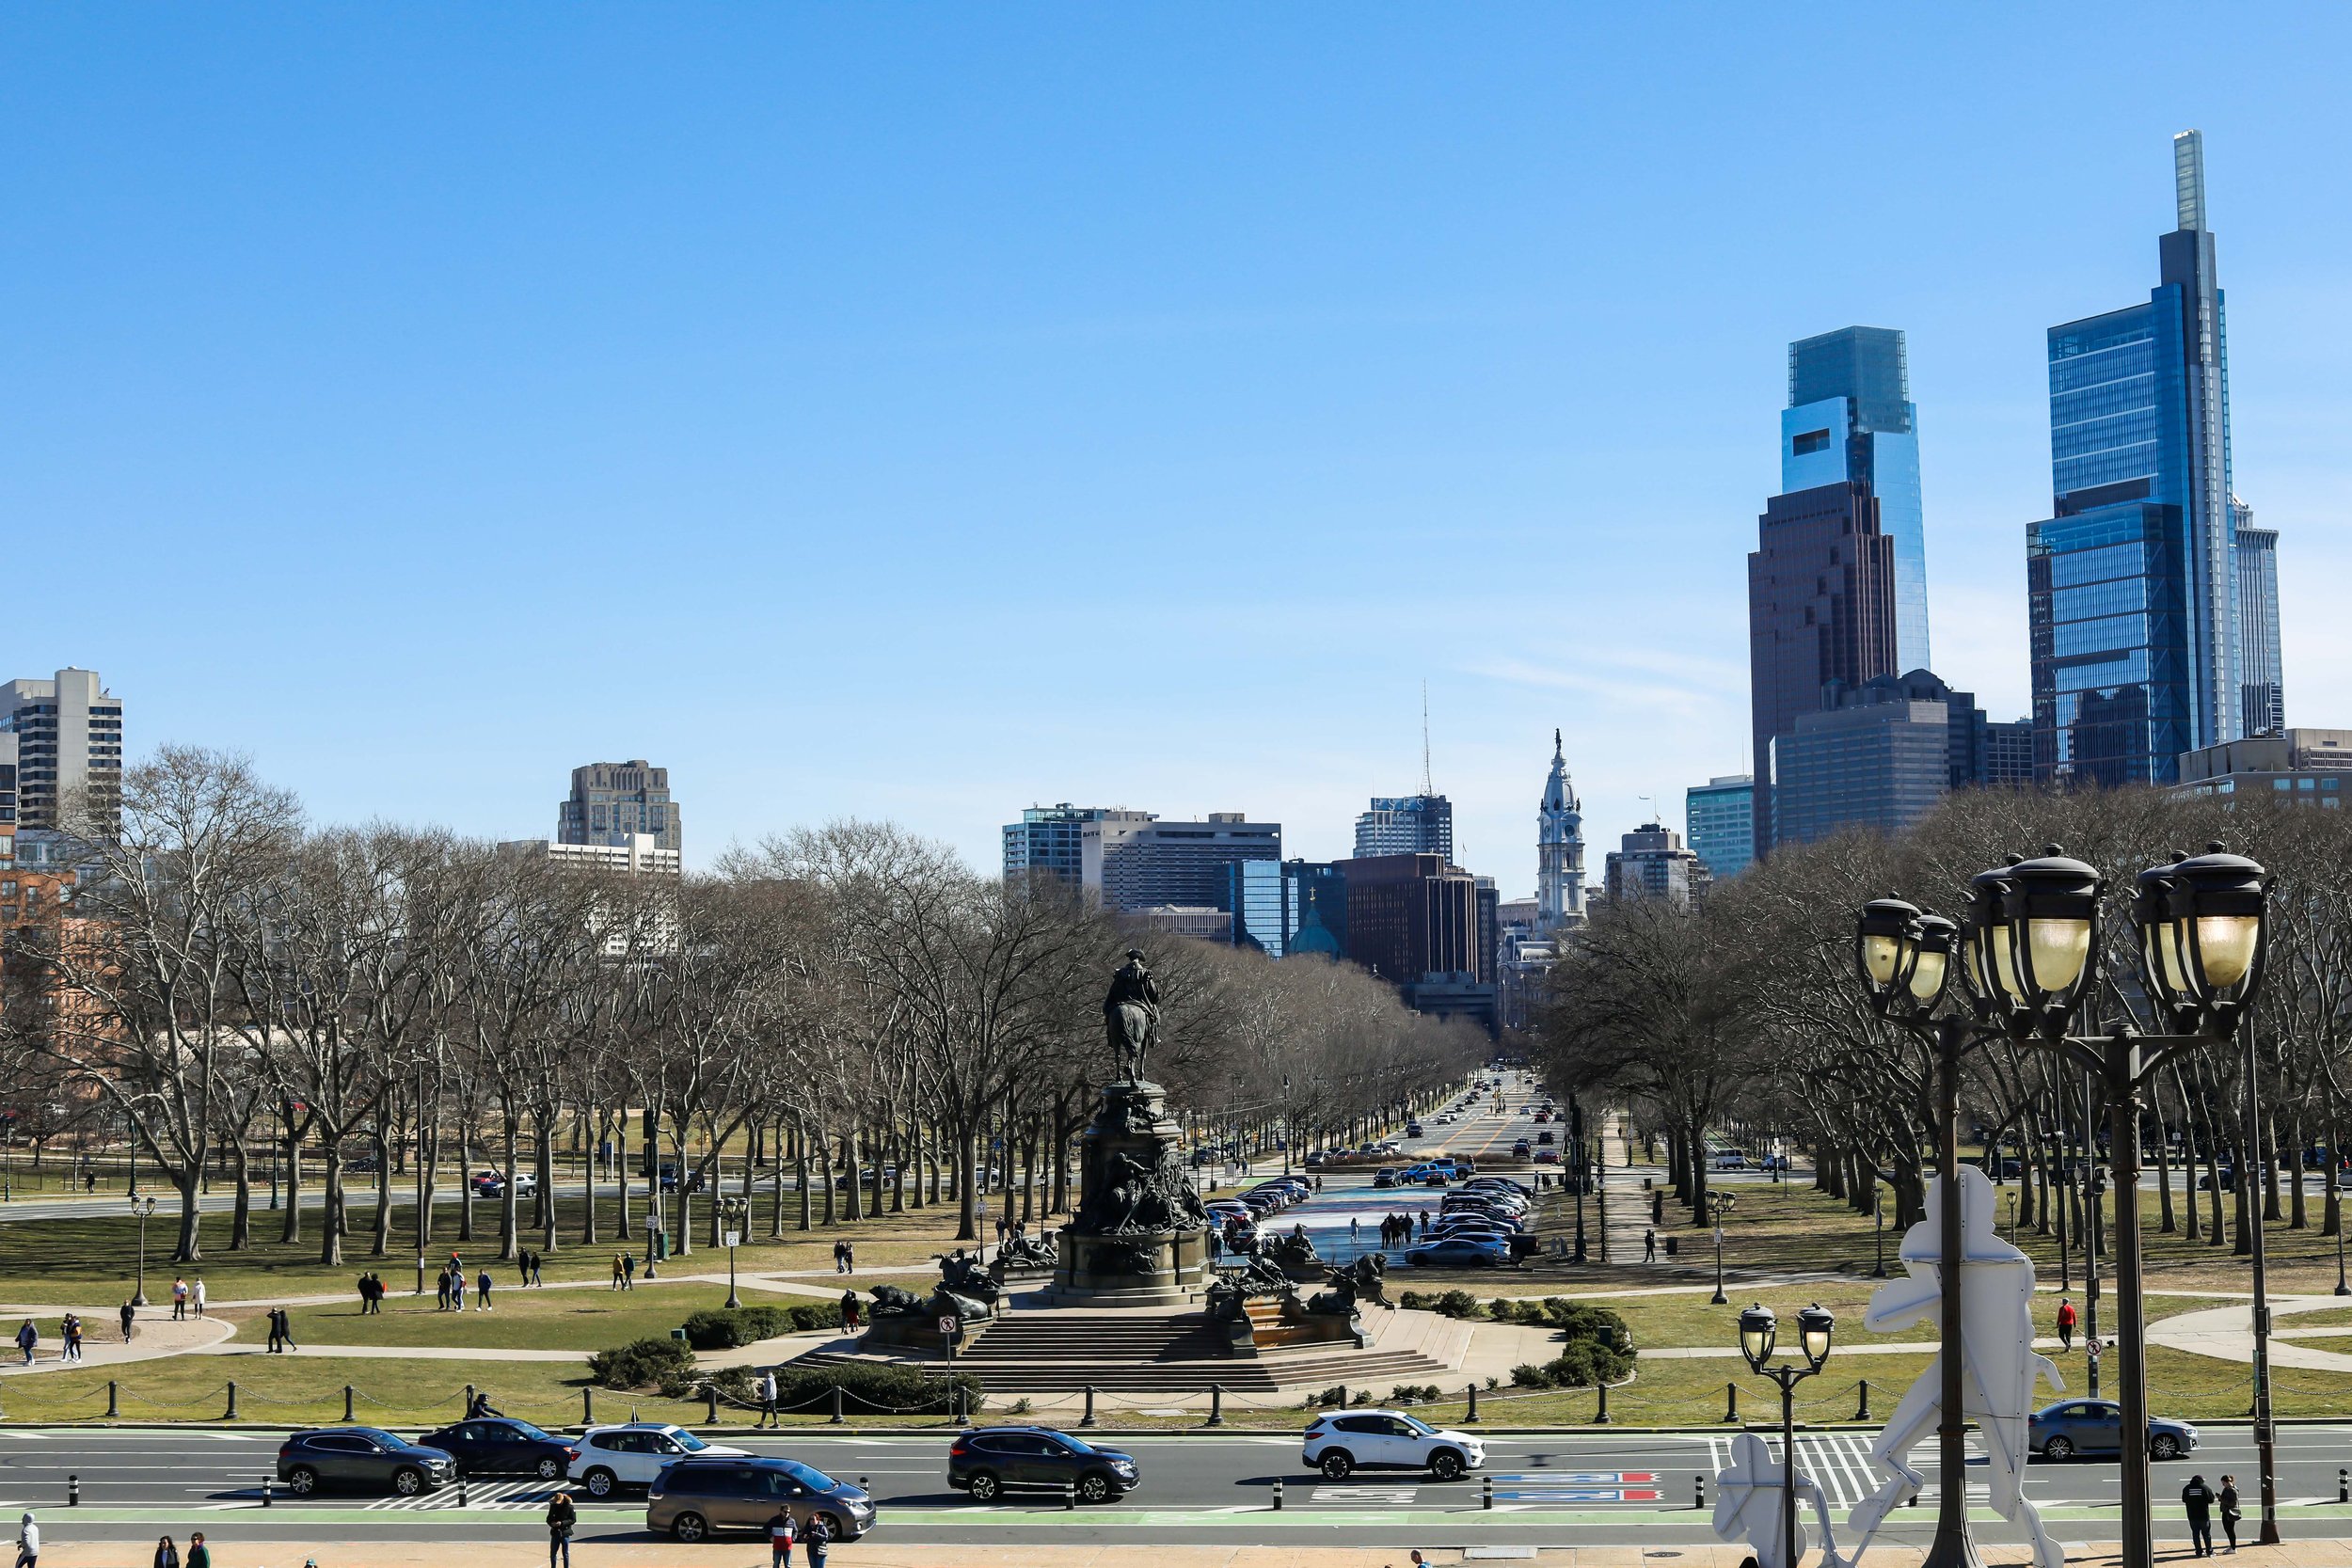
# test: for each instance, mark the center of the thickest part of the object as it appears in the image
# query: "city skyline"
(1304, 346)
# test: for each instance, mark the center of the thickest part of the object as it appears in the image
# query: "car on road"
(1726, 1159)
(1385, 1177)
(492, 1184)
(1461, 1252)
(632, 1453)
(1545, 1137)
(1413, 1130)
(1522, 1149)
(693, 1499)
(989, 1462)
(1343, 1443)
(1317, 1160)
(495, 1446)
(2069, 1427)
(366, 1459)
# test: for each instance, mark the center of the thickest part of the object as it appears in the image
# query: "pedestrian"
(130, 1316)
(523, 1266)
(2066, 1320)
(1649, 1245)
(840, 1257)
(271, 1319)
(766, 1389)
(561, 1519)
(166, 1553)
(848, 1257)
(363, 1295)
(27, 1541)
(26, 1338)
(376, 1294)
(616, 1271)
(72, 1332)
(2197, 1498)
(848, 1309)
(178, 1299)
(482, 1293)
(196, 1296)
(285, 1328)
(780, 1539)
(815, 1536)
(200, 1554)
(1354, 1227)
(535, 1260)
(458, 1290)
(628, 1271)
(2230, 1513)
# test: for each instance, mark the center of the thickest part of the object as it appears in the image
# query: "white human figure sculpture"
(1747, 1505)
(1998, 1364)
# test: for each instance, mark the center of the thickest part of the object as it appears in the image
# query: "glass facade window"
(1720, 815)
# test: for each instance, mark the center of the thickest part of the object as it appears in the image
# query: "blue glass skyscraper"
(1850, 417)
(2131, 582)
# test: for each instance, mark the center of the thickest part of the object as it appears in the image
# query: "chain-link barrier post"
(232, 1400)
(1731, 1405)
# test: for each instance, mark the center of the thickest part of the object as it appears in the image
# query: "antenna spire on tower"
(1426, 786)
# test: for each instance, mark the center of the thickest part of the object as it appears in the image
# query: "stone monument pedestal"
(1140, 1235)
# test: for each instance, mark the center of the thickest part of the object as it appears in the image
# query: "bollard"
(469, 1414)
(232, 1400)
(837, 1406)
(347, 1393)
(1068, 1496)
(1470, 1417)
(1600, 1417)
(1217, 1405)
(1731, 1407)
(1699, 1492)
(1277, 1493)
(74, 1490)
(710, 1403)
(1486, 1491)
(1087, 1420)
(1343, 1396)
(114, 1394)
(2344, 1486)
(465, 1490)
(1861, 1412)
(587, 1407)
(268, 1487)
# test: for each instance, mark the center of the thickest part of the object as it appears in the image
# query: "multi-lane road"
(1207, 1488)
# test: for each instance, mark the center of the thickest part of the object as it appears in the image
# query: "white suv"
(1387, 1440)
(634, 1453)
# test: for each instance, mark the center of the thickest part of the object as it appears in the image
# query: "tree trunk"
(189, 1248)
(331, 1234)
(382, 1245)
(290, 1223)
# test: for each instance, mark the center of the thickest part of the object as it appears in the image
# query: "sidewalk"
(880, 1552)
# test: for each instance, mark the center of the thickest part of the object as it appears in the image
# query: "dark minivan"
(990, 1460)
(366, 1458)
(694, 1499)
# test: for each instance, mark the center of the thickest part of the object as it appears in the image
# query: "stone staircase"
(1152, 1352)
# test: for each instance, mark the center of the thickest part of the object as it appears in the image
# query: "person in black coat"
(2231, 1512)
(2198, 1499)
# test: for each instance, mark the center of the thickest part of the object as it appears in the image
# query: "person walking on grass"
(482, 1293)
(616, 1271)
(71, 1332)
(780, 1539)
(537, 1260)
(2231, 1512)
(628, 1271)
(285, 1329)
(196, 1296)
(2066, 1325)
(2196, 1501)
(26, 1338)
(562, 1518)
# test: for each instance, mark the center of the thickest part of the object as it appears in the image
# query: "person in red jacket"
(2065, 1325)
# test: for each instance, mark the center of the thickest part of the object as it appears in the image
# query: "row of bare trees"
(1743, 1016)
(836, 1021)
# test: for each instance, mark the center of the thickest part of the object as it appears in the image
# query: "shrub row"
(722, 1329)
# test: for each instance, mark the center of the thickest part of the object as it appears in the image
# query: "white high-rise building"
(68, 737)
(1559, 852)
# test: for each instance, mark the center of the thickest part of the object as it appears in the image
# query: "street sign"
(731, 1237)
(947, 1324)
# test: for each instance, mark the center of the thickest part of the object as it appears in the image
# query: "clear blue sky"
(923, 412)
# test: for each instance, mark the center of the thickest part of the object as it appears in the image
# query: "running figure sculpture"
(1747, 1506)
(1998, 1364)
(1130, 1013)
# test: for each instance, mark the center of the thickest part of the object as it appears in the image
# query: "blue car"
(2070, 1427)
(1464, 1252)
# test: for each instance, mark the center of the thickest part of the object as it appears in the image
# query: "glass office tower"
(1850, 417)
(2131, 582)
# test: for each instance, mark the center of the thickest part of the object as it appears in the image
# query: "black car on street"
(366, 1459)
(496, 1446)
(987, 1462)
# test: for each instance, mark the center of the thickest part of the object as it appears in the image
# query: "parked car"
(1317, 1160)
(362, 1458)
(1500, 1184)
(694, 1499)
(992, 1461)
(2069, 1427)
(1383, 1178)
(1460, 1252)
(499, 1447)
(1341, 1444)
(632, 1453)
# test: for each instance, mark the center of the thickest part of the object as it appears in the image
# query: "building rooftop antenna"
(1427, 787)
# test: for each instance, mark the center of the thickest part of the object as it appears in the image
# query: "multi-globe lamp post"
(1760, 1332)
(2029, 958)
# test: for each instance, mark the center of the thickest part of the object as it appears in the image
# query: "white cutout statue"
(1747, 1506)
(1998, 1364)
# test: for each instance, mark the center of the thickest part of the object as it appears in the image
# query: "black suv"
(989, 1460)
(496, 1446)
(363, 1457)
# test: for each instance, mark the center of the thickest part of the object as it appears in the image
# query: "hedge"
(647, 1363)
(722, 1329)
(866, 1388)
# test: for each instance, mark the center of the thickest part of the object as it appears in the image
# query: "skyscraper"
(1652, 863)
(1720, 815)
(2133, 581)
(2262, 684)
(611, 801)
(1820, 609)
(1049, 838)
(1559, 850)
(1406, 825)
(69, 734)
(1850, 417)
(1131, 861)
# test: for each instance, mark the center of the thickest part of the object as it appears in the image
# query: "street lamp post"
(1759, 1331)
(1878, 1221)
(732, 1213)
(142, 1207)
(2028, 958)
(1575, 1144)
(1717, 1204)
